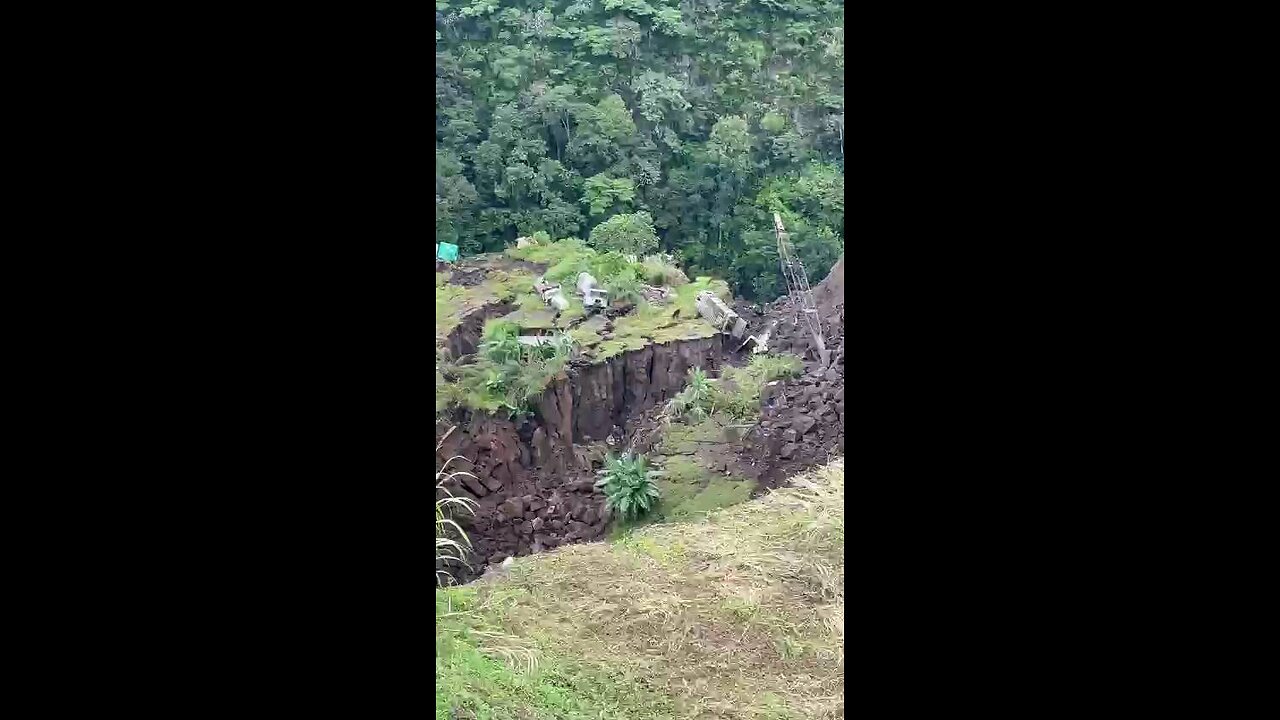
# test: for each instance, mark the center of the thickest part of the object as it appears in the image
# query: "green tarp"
(447, 252)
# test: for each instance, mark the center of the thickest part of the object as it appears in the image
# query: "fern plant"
(629, 485)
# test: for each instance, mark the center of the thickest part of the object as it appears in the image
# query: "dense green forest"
(691, 120)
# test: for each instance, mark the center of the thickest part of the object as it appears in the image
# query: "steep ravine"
(534, 482)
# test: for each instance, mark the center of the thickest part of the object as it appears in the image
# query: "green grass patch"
(720, 491)
(450, 305)
(657, 323)
(681, 438)
(565, 259)
(483, 672)
(740, 617)
(572, 315)
(686, 295)
(616, 346)
(659, 272)
(585, 337)
(454, 302)
(530, 302)
(550, 253)
(689, 491)
(538, 318)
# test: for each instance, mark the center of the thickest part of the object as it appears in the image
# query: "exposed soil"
(474, 269)
(534, 482)
(465, 338)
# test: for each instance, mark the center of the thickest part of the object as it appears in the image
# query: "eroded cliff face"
(611, 392)
(465, 339)
(535, 482)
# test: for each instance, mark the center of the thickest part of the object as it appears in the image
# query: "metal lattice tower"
(802, 303)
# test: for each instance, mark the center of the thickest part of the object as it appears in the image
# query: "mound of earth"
(830, 292)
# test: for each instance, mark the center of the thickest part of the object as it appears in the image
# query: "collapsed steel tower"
(803, 306)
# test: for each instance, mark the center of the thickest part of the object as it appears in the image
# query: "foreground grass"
(737, 616)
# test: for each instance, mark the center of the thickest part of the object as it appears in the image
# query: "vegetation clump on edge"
(693, 401)
(506, 374)
(738, 391)
(738, 617)
(454, 302)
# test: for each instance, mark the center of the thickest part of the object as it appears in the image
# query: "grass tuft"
(738, 392)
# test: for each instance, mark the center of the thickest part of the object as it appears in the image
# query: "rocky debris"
(513, 508)
(802, 425)
(830, 292)
(805, 423)
(522, 509)
(541, 447)
(474, 485)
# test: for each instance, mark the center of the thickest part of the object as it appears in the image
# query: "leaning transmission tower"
(803, 308)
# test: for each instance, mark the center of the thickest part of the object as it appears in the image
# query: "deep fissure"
(532, 476)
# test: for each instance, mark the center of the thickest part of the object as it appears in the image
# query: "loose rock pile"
(522, 507)
(802, 424)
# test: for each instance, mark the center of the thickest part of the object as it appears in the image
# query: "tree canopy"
(678, 125)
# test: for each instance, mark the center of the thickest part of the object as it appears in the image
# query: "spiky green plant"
(452, 543)
(629, 485)
(693, 400)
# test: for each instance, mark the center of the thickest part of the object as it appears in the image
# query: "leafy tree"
(632, 234)
(709, 116)
(602, 193)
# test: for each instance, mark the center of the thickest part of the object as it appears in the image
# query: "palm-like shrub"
(629, 485)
